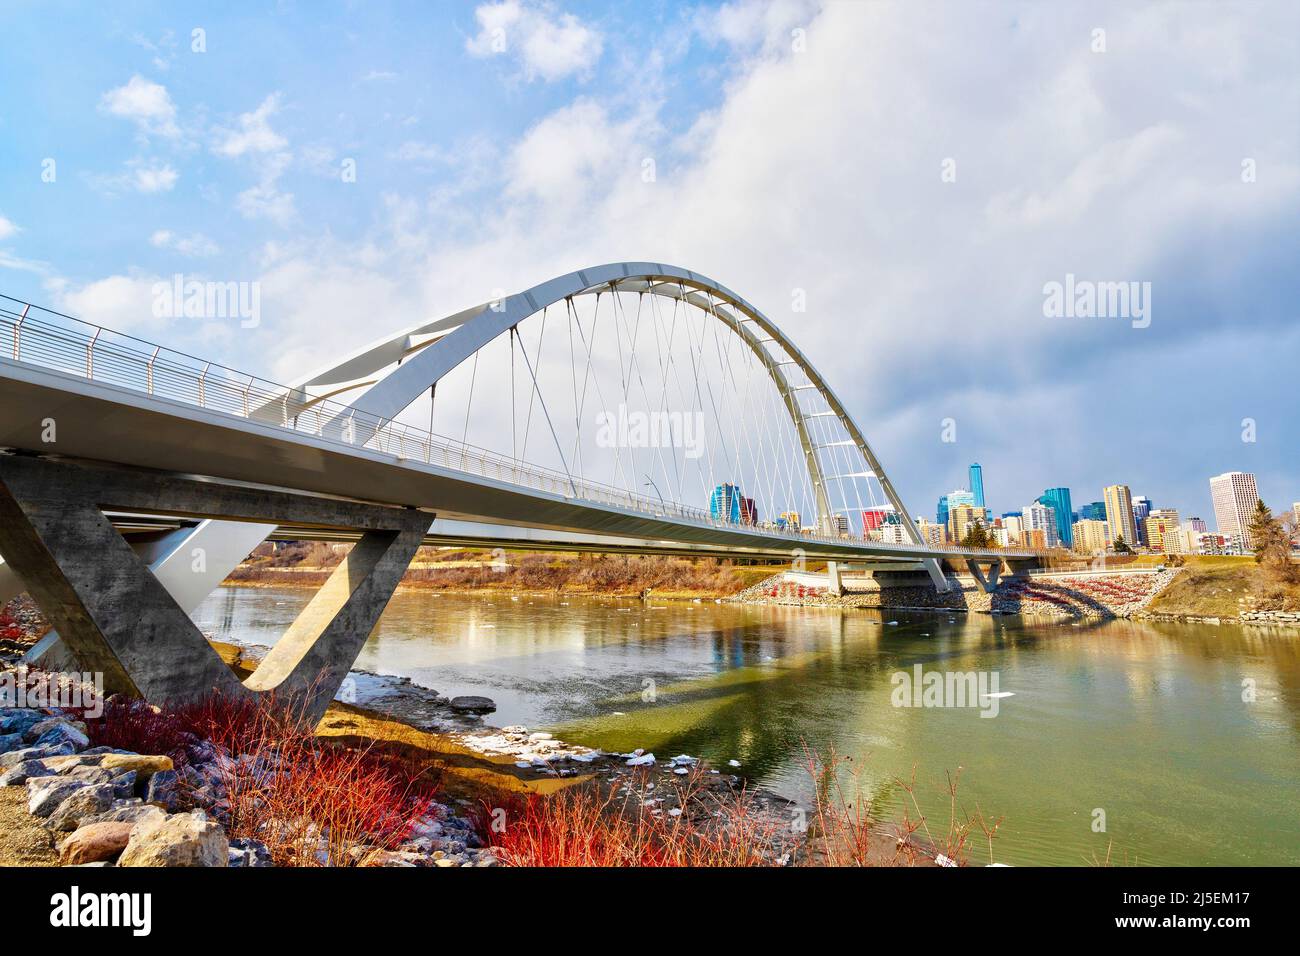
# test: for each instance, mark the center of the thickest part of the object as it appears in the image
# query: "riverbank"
(239, 784)
(309, 564)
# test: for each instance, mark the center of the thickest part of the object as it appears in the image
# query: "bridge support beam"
(990, 582)
(833, 582)
(118, 619)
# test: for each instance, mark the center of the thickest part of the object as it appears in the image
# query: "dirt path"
(23, 841)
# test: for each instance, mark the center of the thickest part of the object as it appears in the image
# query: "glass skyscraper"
(977, 484)
(725, 503)
(1058, 499)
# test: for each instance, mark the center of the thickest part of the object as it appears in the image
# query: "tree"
(1272, 543)
(1121, 546)
(977, 537)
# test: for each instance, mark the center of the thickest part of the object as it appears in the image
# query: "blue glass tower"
(1058, 499)
(725, 504)
(1093, 511)
(977, 484)
(941, 513)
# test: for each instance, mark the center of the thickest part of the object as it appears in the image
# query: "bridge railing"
(52, 340)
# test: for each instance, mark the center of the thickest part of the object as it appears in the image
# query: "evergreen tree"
(1121, 546)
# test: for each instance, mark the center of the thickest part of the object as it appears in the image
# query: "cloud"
(255, 139)
(7, 228)
(549, 45)
(146, 104)
(253, 133)
(155, 178)
(195, 245)
(123, 303)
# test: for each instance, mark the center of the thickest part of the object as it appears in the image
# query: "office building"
(1058, 499)
(1091, 536)
(1235, 497)
(977, 485)
(1041, 517)
(1119, 514)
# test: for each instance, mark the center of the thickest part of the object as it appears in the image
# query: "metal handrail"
(51, 339)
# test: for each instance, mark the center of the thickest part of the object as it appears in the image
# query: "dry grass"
(1225, 590)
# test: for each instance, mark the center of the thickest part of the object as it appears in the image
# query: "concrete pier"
(118, 619)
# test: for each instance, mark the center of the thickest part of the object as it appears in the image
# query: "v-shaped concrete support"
(119, 620)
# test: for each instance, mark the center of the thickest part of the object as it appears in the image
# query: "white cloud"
(549, 45)
(7, 228)
(195, 244)
(155, 178)
(123, 303)
(265, 201)
(254, 138)
(254, 133)
(146, 104)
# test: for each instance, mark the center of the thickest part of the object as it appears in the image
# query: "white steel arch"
(427, 352)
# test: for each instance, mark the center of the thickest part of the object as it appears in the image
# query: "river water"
(1138, 727)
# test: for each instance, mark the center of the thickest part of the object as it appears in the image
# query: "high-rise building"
(963, 517)
(1041, 517)
(1093, 511)
(1161, 528)
(941, 511)
(790, 519)
(1295, 511)
(1014, 525)
(977, 484)
(1235, 498)
(1119, 514)
(961, 496)
(1091, 536)
(873, 518)
(932, 534)
(1058, 499)
(1141, 510)
(748, 511)
(724, 503)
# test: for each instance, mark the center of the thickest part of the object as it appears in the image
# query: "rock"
(164, 790)
(88, 774)
(64, 763)
(245, 851)
(133, 814)
(18, 719)
(145, 767)
(182, 839)
(60, 733)
(469, 704)
(44, 794)
(124, 785)
(641, 760)
(95, 842)
(87, 802)
(10, 742)
(19, 774)
(14, 757)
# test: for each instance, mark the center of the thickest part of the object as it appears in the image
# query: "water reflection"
(1145, 721)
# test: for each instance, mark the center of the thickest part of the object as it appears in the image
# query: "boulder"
(15, 776)
(144, 766)
(89, 774)
(245, 851)
(10, 742)
(124, 785)
(14, 757)
(470, 704)
(83, 805)
(40, 728)
(44, 794)
(164, 790)
(133, 813)
(182, 839)
(62, 732)
(95, 842)
(16, 720)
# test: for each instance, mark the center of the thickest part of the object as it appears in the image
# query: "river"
(1138, 727)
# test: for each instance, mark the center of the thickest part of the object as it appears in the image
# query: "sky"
(921, 172)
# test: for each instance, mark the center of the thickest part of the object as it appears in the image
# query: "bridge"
(609, 385)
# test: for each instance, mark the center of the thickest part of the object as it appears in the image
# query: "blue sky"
(819, 168)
